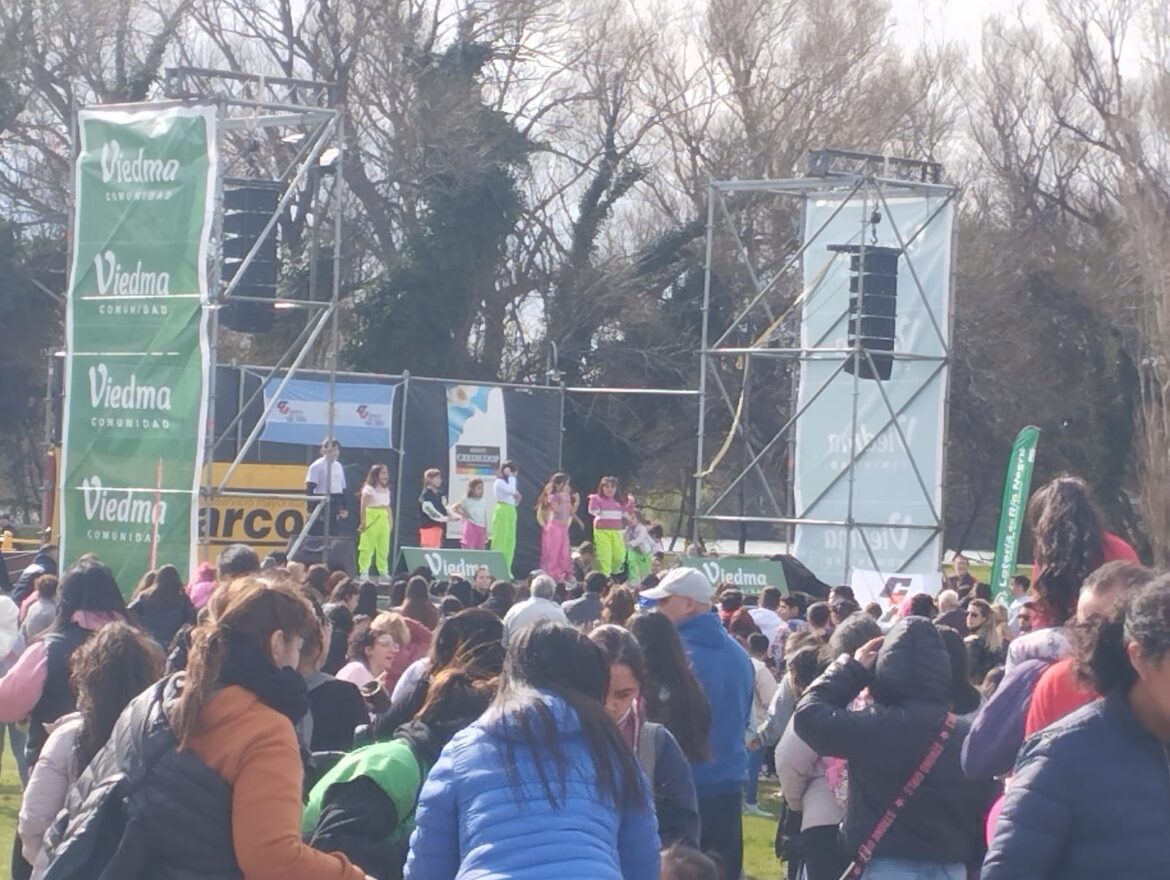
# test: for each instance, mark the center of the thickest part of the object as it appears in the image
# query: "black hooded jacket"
(357, 817)
(177, 811)
(911, 687)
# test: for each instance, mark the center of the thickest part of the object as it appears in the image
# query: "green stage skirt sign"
(137, 360)
(748, 574)
(445, 564)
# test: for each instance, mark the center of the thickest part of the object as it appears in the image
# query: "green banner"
(1011, 514)
(748, 573)
(136, 366)
(445, 563)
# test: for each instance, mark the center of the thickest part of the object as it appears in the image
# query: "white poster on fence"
(886, 476)
(477, 443)
(881, 587)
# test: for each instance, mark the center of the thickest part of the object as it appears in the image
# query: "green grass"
(9, 807)
(759, 857)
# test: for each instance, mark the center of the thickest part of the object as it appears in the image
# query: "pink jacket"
(202, 585)
(609, 513)
(419, 647)
(22, 686)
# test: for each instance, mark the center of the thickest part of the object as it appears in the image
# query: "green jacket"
(392, 765)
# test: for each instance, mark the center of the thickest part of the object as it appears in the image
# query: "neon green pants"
(638, 565)
(504, 531)
(374, 542)
(610, 550)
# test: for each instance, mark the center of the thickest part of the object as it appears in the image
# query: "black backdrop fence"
(418, 440)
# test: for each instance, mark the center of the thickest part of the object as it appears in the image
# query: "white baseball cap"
(689, 582)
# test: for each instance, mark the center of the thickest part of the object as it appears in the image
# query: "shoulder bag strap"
(865, 851)
(647, 752)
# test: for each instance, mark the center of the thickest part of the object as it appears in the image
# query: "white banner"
(477, 443)
(877, 586)
(888, 476)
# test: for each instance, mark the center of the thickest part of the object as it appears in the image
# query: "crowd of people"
(268, 720)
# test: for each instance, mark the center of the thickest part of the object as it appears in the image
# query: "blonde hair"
(394, 625)
(430, 472)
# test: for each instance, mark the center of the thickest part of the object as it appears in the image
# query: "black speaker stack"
(873, 308)
(248, 205)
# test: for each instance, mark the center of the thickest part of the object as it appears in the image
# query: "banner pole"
(158, 470)
(401, 465)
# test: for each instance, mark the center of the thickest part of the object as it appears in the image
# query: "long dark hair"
(367, 599)
(417, 605)
(167, 588)
(472, 638)
(87, 587)
(1067, 534)
(1143, 617)
(557, 659)
(674, 697)
(108, 671)
(457, 696)
(618, 645)
(144, 583)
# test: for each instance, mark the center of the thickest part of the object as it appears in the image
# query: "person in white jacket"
(806, 787)
(109, 670)
(763, 690)
(808, 782)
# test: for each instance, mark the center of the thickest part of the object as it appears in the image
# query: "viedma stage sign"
(747, 573)
(445, 564)
(137, 362)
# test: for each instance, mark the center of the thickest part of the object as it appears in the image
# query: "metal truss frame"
(851, 178)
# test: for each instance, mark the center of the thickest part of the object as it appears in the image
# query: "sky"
(957, 20)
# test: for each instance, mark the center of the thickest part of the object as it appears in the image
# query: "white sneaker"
(755, 810)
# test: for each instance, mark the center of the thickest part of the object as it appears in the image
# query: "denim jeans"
(909, 869)
(17, 738)
(755, 762)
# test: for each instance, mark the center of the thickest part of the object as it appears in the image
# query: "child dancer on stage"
(555, 510)
(473, 509)
(504, 513)
(639, 549)
(374, 522)
(433, 507)
(608, 520)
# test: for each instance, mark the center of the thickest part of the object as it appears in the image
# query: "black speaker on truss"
(873, 307)
(248, 205)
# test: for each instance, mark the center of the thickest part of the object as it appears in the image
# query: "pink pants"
(474, 537)
(555, 558)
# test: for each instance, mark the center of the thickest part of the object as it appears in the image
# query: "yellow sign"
(261, 521)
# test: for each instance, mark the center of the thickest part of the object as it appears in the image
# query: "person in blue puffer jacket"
(1091, 794)
(542, 786)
